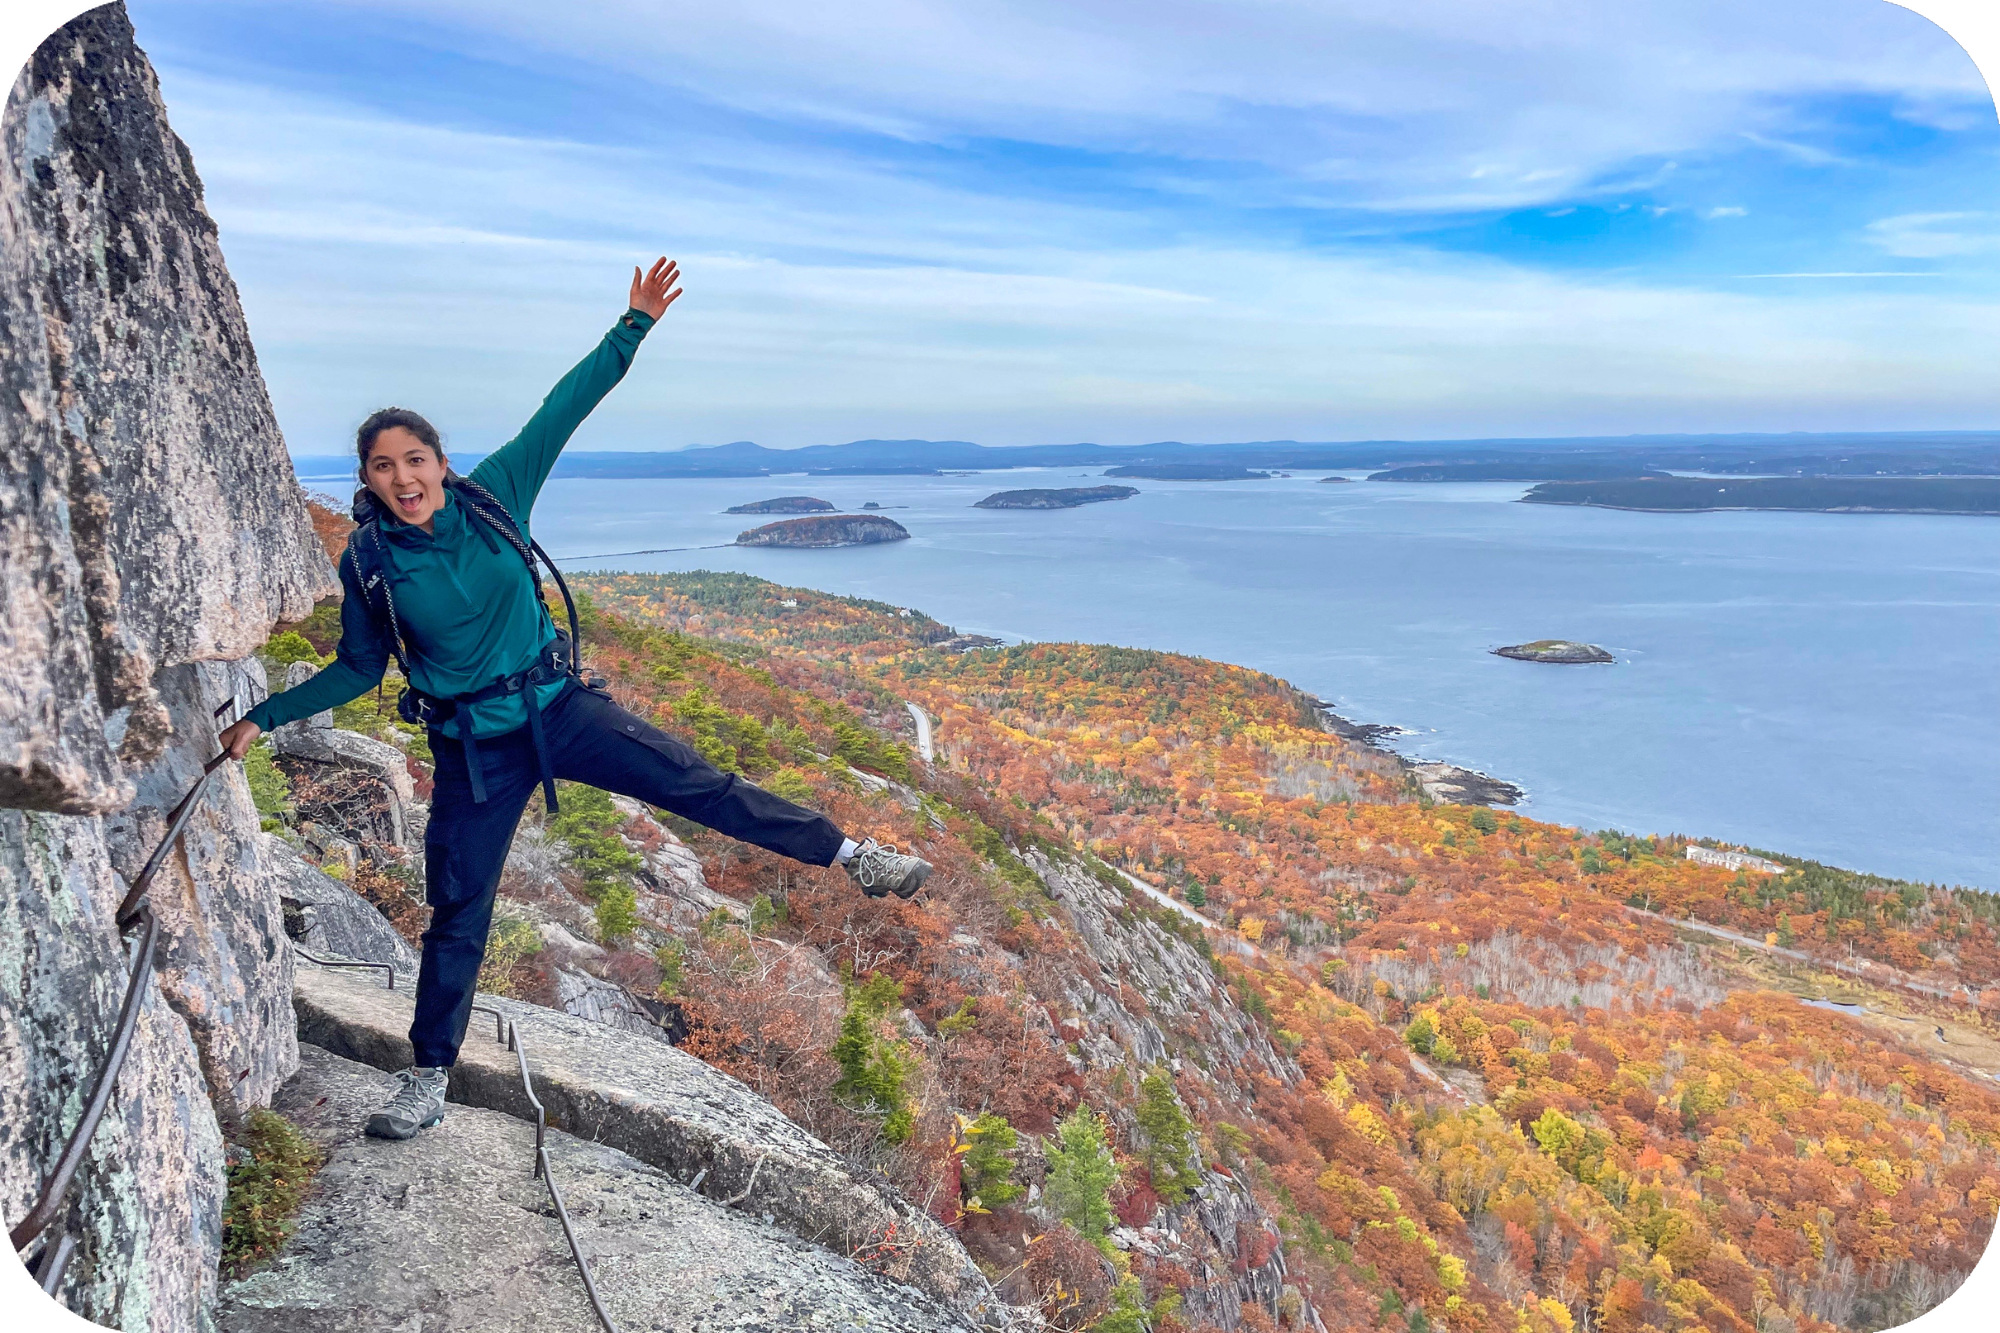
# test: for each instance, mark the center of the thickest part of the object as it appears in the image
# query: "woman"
(438, 577)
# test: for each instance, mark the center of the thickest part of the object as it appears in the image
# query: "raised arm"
(515, 471)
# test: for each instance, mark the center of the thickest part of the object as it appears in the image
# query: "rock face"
(327, 918)
(147, 505)
(832, 530)
(151, 530)
(1155, 1000)
(1181, 1009)
(1065, 498)
(452, 1231)
(784, 504)
(1561, 651)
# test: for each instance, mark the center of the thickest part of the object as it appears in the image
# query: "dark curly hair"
(388, 417)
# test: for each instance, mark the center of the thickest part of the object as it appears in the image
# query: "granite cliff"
(151, 531)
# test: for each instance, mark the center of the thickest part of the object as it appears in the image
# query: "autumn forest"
(1210, 1018)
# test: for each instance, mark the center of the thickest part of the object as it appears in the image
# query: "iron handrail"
(505, 1032)
(345, 962)
(133, 910)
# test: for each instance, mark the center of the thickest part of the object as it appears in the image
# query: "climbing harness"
(369, 558)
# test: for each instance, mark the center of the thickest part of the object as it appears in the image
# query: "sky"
(1117, 222)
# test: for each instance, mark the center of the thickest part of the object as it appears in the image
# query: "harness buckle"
(421, 710)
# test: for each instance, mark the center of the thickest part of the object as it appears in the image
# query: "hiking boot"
(418, 1104)
(879, 869)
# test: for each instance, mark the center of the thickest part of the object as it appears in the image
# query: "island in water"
(1562, 651)
(1055, 498)
(826, 530)
(1826, 495)
(1335, 478)
(1188, 472)
(1523, 469)
(785, 504)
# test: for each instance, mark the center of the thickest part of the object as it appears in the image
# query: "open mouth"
(409, 501)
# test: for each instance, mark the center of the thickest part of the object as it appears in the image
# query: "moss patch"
(266, 1187)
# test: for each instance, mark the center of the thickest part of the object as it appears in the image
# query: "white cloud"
(1428, 104)
(1729, 211)
(1937, 235)
(461, 272)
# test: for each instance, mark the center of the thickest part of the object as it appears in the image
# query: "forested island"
(1829, 495)
(826, 530)
(1522, 469)
(1055, 498)
(1188, 472)
(784, 504)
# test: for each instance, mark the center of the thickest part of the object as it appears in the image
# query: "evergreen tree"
(1170, 1144)
(871, 1072)
(1081, 1174)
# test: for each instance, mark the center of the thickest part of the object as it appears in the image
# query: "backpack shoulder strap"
(368, 562)
(486, 505)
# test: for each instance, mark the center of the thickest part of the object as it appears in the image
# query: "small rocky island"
(784, 504)
(1054, 498)
(826, 530)
(1555, 650)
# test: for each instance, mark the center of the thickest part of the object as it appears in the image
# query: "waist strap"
(414, 706)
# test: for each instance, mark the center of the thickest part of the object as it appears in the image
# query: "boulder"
(451, 1230)
(332, 919)
(316, 740)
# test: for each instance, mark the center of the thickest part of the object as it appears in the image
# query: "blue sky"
(1096, 221)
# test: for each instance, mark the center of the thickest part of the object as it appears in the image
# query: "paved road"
(1865, 968)
(923, 721)
(1229, 939)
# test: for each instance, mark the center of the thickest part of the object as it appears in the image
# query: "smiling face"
(406, 475)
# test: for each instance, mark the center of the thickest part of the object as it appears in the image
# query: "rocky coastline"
(1440, 781)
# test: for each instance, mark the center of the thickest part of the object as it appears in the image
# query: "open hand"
(654, 291)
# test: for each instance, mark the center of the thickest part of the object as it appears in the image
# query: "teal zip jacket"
(463, 596)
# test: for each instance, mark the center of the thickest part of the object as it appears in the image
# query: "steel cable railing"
(135, 911)
(508, 1035)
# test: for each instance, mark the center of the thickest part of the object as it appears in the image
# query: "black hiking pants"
(589, 739)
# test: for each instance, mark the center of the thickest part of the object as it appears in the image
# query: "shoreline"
(1758, 509)
(1445, 783)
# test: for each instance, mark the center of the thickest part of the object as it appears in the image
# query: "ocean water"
(1821, 684)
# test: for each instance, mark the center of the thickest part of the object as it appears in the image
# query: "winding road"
(923, 721)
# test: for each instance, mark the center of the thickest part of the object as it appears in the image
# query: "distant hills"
(1904, 454)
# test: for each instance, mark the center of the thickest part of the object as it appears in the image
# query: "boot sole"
(377, 1128)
